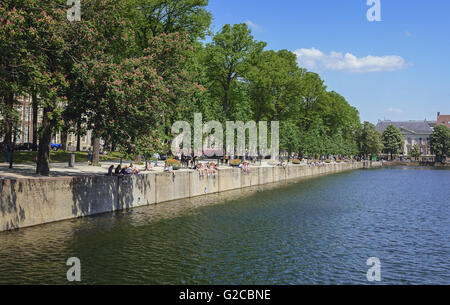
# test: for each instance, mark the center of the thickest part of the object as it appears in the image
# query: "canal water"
(316, 231)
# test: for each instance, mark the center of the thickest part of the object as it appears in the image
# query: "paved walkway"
(80, 169)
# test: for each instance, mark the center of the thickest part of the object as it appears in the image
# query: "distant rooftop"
(420, 127)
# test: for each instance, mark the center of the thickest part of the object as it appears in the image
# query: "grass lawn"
(58, 156)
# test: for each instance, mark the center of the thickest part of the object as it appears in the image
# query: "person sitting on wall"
(213, 169)
(110, 170)
(200, 169)
(246, 168)
(123, 171)
(117, 171)
(148, 167)
(208, 169)
(133, 170)
(169, 169)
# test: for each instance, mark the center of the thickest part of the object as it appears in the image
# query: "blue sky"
(397, 69)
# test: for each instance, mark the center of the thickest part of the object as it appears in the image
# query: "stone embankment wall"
(29, 202)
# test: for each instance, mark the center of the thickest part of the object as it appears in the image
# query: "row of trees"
(120, 72)
(245, 82)
(371, 142)
(131, 68)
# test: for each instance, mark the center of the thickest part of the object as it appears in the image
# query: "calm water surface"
(317, 231)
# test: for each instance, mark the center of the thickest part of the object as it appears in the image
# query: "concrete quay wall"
(30, 202)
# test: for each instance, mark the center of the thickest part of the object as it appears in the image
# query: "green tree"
(129, 102)
(38, 30)
(151, 18)
(415, 151)
(314, 141)
(227, 58)
(271, 84)
(311, 91)
(392, 140)
(369, 140)
(289, 137)
(337, 114)
(440, 142)
(18, 66)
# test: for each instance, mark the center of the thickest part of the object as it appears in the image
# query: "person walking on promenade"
(156, 156)
(89, 155)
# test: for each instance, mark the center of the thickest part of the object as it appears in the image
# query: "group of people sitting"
(119, 171)
(317, 163)
(209, 169)
(204, 169)
(245, 167)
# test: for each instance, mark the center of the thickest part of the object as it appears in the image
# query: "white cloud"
(408, 34)
(316, 59)
(254, 26)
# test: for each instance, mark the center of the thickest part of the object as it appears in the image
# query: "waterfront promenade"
(28, 170)
(26, 201)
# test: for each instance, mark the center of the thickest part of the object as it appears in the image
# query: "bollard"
(71, 160)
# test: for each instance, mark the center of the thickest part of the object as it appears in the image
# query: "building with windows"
(414, 132)
(25, 127)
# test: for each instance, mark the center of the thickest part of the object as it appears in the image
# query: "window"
(26, 135)
(27, 114)
(20, 133)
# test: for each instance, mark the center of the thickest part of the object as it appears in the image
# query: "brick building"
(443, 119)
(25, 127)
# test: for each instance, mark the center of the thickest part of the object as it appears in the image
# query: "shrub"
(235, 162)
(295, 161)
(174, 163)
(327, 161)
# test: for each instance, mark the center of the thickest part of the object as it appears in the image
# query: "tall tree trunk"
(43, 159)
(7, 141)
(35, 120)
(64, 140)
(137, 159)
(95, 153)
(12, 146)
(78, 136)
(9, 127)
